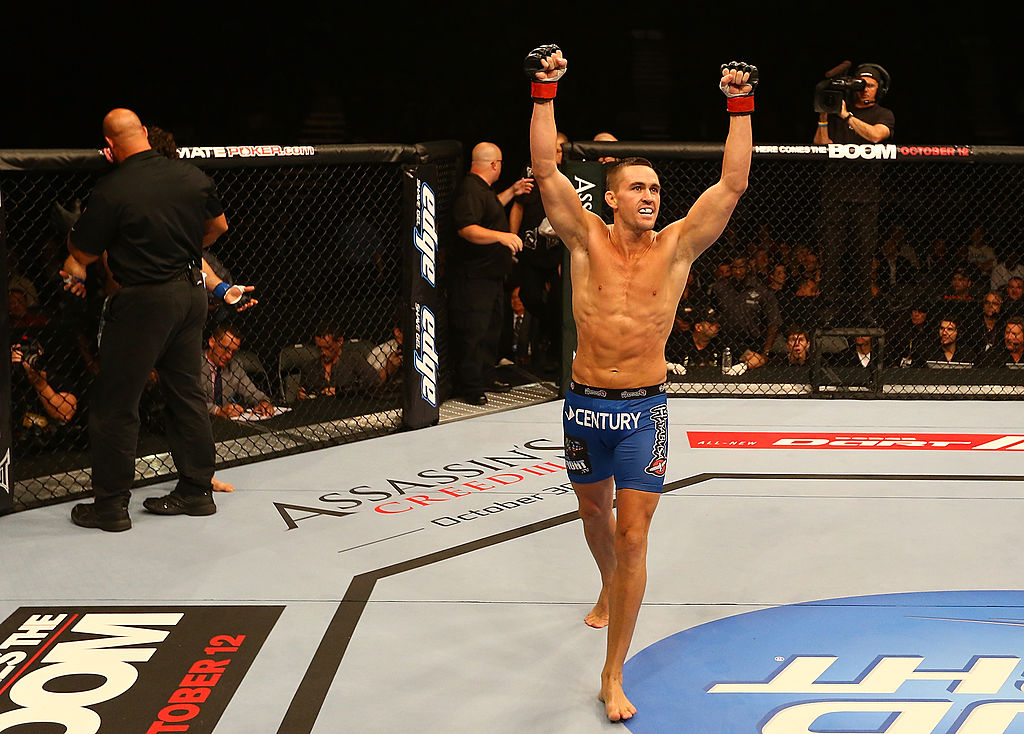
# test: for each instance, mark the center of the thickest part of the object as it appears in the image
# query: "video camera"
(830, 93)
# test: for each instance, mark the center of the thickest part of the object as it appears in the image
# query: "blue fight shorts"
(620, 433)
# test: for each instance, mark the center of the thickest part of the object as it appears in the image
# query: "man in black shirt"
(850, 195)
(481, 260)
(697, 348)
(151, 216)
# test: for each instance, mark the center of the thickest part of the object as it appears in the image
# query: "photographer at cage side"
(40, 404)
(849, 113)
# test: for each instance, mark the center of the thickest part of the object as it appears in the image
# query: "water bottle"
(726, 360)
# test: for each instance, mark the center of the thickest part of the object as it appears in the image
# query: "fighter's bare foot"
(598, 617)
(219, 486)
(616, 705)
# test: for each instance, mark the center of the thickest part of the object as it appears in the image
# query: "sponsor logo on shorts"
(577, 458)
(640, 393)
(595, 392)
(603, 421)
(659, 460)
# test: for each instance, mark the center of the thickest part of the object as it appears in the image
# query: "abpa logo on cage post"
(425, 233)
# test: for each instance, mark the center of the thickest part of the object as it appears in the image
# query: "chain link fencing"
(876, 270)
(316, 230)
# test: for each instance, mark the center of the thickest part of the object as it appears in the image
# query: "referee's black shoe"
(181, 504)
(112, 519)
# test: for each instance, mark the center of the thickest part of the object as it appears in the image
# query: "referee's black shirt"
(149, 214)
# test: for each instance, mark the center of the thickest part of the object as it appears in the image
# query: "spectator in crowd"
(937, 269)
(911, 336)
(41, 402)
(896, 273)
(1008, 267)
(948, 347)
(229, 390)
(538, 269)
(1013, 301)
(386, 357)
(983, 328)
(519, 332)
(698, 347)
(608, 138)
(760, 263)
(858, 354)
(981, 257)
(21, 316)
(16, 280)
(337, 370)
(798, 346)
(1012, 350)
(722, 273)
(778, 283)
(481, 261)
(690, 303)
(958, 297)
(749, 314)
(806, 305)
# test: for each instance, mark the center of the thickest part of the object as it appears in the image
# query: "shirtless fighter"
(626, 282)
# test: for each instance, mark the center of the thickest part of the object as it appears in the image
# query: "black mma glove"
(541, 89)
(743, 103)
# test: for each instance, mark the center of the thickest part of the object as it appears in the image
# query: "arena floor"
(814, 565)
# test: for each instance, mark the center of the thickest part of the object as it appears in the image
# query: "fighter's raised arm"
(545, 65)
(709, 215)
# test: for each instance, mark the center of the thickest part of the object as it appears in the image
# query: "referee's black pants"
(147, 327)
(475, 307)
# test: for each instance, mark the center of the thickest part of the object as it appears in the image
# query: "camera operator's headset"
(879, 74)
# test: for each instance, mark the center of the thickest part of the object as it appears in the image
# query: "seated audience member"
(858, 354)
(958, 298)
(41, 404)
(608, 138)
(806, 305)
(1013, 300)
(749, 313)
(910, 337)
(337, 370)
(947, 348)
(798, 347)
(697, 347)
(1009, 267)
(778, 283)
(19, 310)
(983, 328)
(229, 390)
(1012, 349)
(386, 357)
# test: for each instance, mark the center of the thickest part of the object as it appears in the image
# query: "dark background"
(227, 75)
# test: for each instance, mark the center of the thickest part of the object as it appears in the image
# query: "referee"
(152, 217)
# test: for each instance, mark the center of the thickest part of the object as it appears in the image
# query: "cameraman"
(868, 121)
(851, 190)
(39, 405)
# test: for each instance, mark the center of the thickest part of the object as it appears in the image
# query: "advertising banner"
(419, 328)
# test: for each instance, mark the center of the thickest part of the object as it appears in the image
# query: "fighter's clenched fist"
(544, 66)
(738, 82)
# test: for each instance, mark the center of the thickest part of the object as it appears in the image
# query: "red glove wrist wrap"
(740, 105)
(543, 90)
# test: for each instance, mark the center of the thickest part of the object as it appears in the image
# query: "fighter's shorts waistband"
(610, 393)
